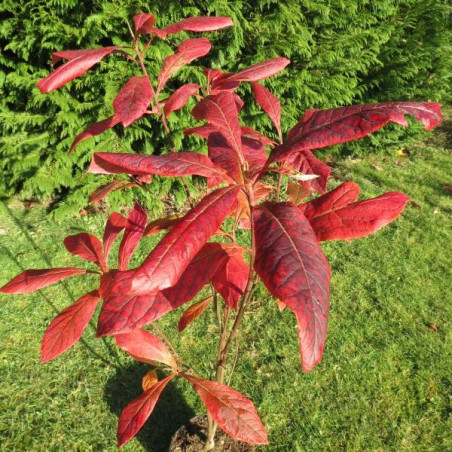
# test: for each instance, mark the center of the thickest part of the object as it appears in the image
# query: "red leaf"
(231, 278)
(270, 104)
(86, 246)
(201, 131)
(93, 130)
(259, 71)
(164, 266)
(232, 411)
(159, 225)
(335, 216)
(136, 412)
(255, 156)
(133, 100)
(193, 312)
(75, 67)
(115, 224)
(251, 133)
(132, 299)
(135, 226)
(222, 155)
(291, 264)
(31, 280)
(124, 312)
(143, 23)
(101, 192)
(197, 274)
(67, 327)
(180, 97)
(221, 111)
(320, 128)
(307, 163)
(145, 347)
(199, 24)
(173, 165)
(185, 54)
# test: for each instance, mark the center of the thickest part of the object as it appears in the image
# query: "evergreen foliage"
(342, 52)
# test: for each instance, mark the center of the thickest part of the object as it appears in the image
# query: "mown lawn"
(384, 381)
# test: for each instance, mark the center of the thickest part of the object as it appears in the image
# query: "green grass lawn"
(383, 384)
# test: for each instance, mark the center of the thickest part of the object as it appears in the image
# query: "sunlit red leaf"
(31, 280)
(260, 71)
(123, 313)
(199, 24)
(149, 380)
(115, 224)
(75, 67)
(173, 165)
(221, 111)
(180, 97)
(133, 100)
(136, 412)
(292, 266)
(135, 226)
(67, 327)
(86, 246)
(93, 130)
(185, 54)
(320, 128)
(197, 274)
(143, 23)
(231, 278)
(307, 163)
(172, 255)
(335, 216)
(232, 411)
(145, 347)
(193, 312)
(132, 298)
(101, 192)
(270, 104)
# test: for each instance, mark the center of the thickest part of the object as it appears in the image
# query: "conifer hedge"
(342, 52)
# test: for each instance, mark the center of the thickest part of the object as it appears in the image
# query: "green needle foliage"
(342, 52)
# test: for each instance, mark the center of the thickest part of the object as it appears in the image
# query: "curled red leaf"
(185, 54)
(180, 97)
(86, 246)
(199, 24)
(334, 216)
(93, 130)
(134, 229)
(145, 347)
(80, 62)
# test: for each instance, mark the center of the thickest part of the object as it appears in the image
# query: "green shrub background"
(342, 52)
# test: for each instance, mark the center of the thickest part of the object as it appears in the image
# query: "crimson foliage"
(285, 247)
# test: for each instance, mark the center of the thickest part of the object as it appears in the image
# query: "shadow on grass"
(170, 413)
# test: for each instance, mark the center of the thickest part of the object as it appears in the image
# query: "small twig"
(236, 357)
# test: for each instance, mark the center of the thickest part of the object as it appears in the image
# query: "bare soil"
(192, 436)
